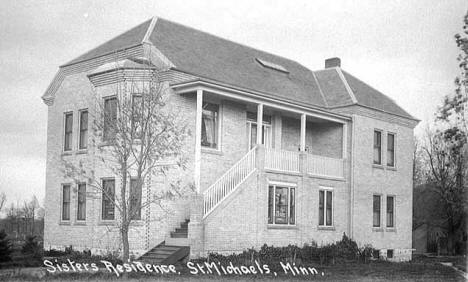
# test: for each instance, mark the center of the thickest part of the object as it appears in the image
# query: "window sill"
(66, 153)
(326, 228)
(64, 223)
(391, 229)
(82, 151)
(80, 222)
(107, 222)
(379, 166)
(211, 151)
(377, 229)
(391, 168)
(281, 226)
(137, 222)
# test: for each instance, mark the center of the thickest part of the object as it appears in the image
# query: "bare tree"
(2, 200)
(133, 132)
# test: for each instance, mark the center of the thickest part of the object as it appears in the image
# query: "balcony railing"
(297, 162)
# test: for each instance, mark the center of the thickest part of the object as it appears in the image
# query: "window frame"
(80, 131)
(289, 186)
(105, 99)
(326, 190)
(380, 132)
(393, 211)
(78, 202)
(62, 202)
(217, 128)
(64, 148)
(380, 211)
(394, 149)
(102, 200)
(267, 131)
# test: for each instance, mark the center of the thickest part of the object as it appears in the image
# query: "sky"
(405, 49)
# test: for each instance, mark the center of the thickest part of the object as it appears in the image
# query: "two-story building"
(279, 154)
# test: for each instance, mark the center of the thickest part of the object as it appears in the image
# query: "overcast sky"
(403, 48)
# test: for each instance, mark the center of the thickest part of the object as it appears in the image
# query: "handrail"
(229, 181)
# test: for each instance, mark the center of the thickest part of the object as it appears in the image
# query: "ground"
(375, 271)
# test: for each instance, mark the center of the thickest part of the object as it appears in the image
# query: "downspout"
(351, 172)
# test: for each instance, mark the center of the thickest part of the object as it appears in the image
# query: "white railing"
(323, 166)
(228, 182)
(281, 160)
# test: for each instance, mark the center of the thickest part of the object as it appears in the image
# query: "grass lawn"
(375, 271)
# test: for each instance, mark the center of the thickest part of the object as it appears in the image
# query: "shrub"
(344, 251)
(5, 247)
(32, 248)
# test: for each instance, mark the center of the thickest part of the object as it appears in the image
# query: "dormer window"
(271, 65)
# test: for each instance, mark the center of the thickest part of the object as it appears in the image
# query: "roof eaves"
(255, 92)
(410, 117)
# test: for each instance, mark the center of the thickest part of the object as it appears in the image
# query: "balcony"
(284, 161)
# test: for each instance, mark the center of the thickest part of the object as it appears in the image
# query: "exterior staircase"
(229, 182)
(172, 250)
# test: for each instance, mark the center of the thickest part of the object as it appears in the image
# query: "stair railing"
(229, 181)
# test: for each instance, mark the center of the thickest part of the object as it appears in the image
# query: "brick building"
(333, 155)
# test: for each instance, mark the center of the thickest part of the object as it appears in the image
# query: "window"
(252, 130)
(108, 186)
(390, 253)
(110, 118)
(210, 123)
(377, 147)
(137, 115)
(390, 211)
(67, 146)
(81, 210)
(83, 141)
(391, 149)
(376, 211)
(325, 208)
(281, 205)
(66, 202)
(135, 200)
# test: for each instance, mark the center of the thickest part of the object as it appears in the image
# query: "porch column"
(198, 129)
(303, 132)
(259, 123)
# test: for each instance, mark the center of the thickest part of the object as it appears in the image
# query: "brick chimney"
(332, 62)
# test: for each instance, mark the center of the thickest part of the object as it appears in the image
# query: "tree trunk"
(125, 244)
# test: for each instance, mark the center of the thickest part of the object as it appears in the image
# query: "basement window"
(271, 65)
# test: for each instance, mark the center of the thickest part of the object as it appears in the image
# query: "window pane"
(321, 207)
(390, 213)
(68, 132)
(390, 150)
(281, 205)
(376, 211)
(81, 212)
(137, 115)
(292, 207)
(270, 203)
(329, 208)
(110, 118)
(377, 147)
(66, 202)
(209, 134)
(108, 199)
(135, 201)
(83, 130)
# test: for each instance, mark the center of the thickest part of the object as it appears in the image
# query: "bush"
(84, 256)
(32, 248)
(344, 251)
(5, 247)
